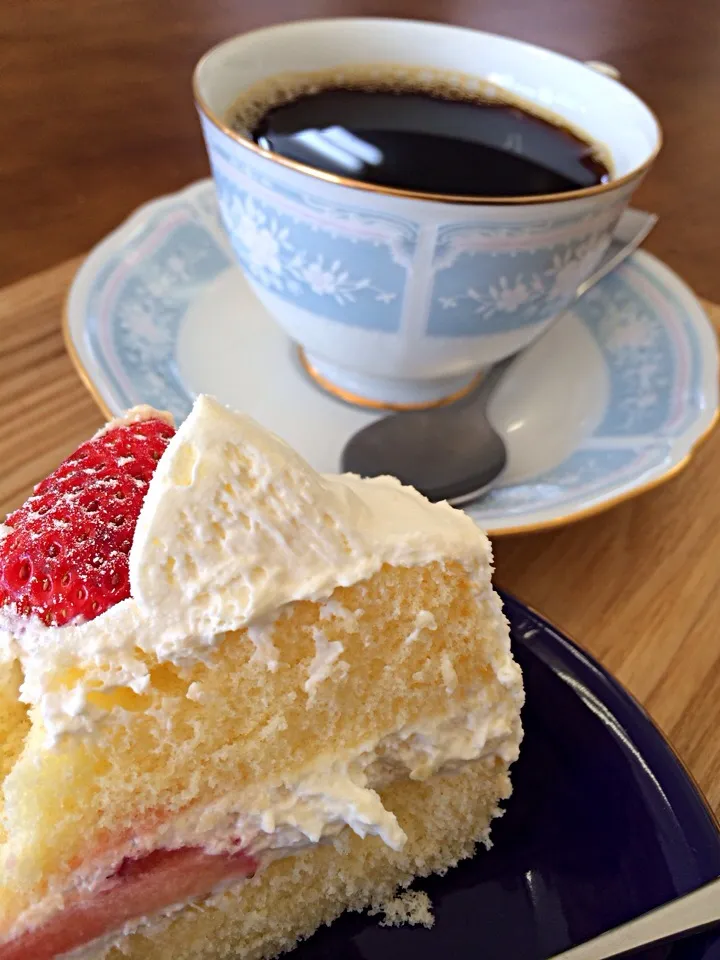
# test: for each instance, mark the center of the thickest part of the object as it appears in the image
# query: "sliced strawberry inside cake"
(147, 885)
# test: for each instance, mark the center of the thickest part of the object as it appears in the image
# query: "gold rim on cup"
(298, 167)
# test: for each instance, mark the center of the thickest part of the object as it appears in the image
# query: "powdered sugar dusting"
(65, 556)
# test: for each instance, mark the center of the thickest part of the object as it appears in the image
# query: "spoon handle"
(679, 918)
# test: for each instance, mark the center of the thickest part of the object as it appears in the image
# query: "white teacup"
(397, 298)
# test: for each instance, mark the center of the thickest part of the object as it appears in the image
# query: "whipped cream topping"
(234, 526)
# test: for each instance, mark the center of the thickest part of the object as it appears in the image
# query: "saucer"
(610, 402)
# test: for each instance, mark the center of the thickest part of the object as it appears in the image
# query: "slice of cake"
(237, 697)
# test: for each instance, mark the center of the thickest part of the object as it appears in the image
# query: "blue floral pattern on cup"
(309, 252)
(333, 260)
(140, 293)
(478, 292)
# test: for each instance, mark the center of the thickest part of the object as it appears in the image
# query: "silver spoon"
(453, 453)
(693, 913)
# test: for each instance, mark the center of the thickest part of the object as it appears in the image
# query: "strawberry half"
(65, 556)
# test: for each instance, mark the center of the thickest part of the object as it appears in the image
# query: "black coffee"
(432, 142)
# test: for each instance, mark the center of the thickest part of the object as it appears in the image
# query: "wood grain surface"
(96, 113)
(637, 586)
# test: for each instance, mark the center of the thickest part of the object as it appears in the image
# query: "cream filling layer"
(272, 820)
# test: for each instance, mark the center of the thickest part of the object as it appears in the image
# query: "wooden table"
(638, 586)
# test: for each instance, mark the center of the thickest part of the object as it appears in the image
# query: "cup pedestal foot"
(382, 393)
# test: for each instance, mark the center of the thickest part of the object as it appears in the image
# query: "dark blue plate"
(604, 824)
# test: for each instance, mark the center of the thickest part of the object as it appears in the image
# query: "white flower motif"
(322, 281)
(505, 297)
(177, 267)
(332, 281)
(569, 269)
(269, 252)
(631, 337)
(646, 375)
(156, 382)
(152, 335)
(628, 331)
(567, 273)
(567, 279)
(247, 230)
(247, 223)
(647, 400)
(264, 252)
(526, 293)
(509, 299)
(134, 313)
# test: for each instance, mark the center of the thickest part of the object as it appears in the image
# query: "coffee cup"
(397, 298)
